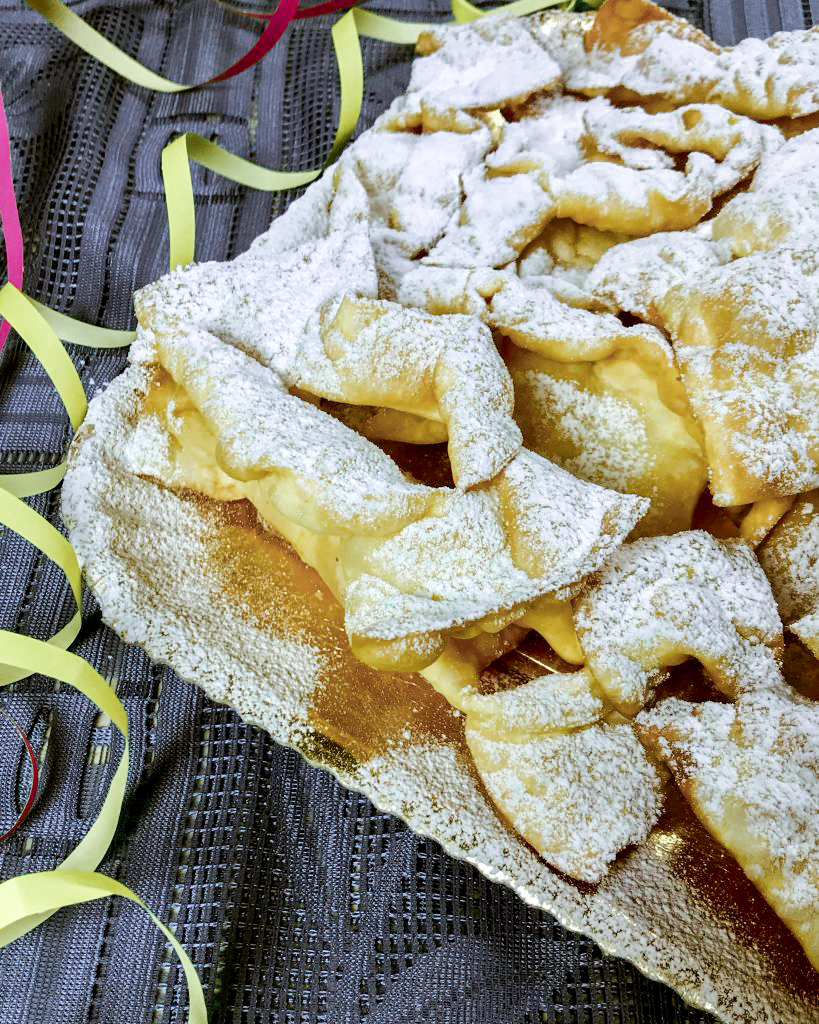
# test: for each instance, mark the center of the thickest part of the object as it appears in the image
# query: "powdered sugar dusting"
(782, 202)
(636, 275)
(548, 703)
(747, 342)
(339, 481)
(753, 773)
(661, 599)
(578, 798)
(164, 598)
(608, 435)
(481, 65)
(499, 217)
(620, 169)
(790, 558)
(529, 313)
(776, 77)
(535, 530)
(444, 367)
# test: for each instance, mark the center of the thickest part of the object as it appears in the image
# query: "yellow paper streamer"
(78, 333)
(176, 156)
(28, 900)
(41, 893)
(94, 43)
(463, 11)
(25, 655)
(44, 343)
(38, 481)
(17, 516)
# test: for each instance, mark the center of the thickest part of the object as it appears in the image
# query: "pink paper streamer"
(12, 233)
(277, 22)
(329, 7)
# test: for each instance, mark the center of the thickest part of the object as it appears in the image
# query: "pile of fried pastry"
(584, 253)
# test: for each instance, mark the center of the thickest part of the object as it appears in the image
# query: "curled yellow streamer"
(17, 516)
(43, 892)
(28, 900)
(75, 331)
(18, 309)
(25, 655)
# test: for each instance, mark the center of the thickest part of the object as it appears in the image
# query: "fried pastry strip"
(291, 309)
(480, 66)
(746, 337)
(751, 774)
(456, 564)
(790, 558)
(441, 367)
(636, 276)
(624, 169)
(781, 204)
(499, 218)
(662, 600)
(461, 561)
(602, 400)
(577, 786)
(636, 50)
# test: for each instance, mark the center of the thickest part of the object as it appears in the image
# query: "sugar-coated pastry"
(579, 251)
(578, 796)
(790, 558)
(750, 771)
(634, 49)
(625, 169)
(661, 600)
(746, 337)
(481, 66)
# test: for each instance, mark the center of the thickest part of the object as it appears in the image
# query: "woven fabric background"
(297, 901)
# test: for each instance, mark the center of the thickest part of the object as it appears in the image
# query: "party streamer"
(25, 522)
(44, 343)
(35, 777)
(95, 44)
(313, 11)
(42, 893)
(25, 655)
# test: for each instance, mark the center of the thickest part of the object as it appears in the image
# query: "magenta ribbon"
(12, 234)
(328, 7)
(277, 22)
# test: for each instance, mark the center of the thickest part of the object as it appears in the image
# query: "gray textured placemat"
(296, 900)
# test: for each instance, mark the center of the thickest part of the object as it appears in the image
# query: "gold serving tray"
(204, 588)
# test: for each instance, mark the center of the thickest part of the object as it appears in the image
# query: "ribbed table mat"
(296, 900)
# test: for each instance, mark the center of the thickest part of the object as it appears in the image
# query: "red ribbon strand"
(35, 778)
